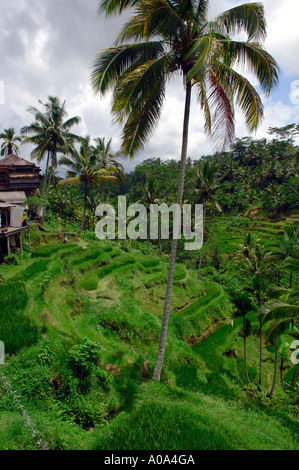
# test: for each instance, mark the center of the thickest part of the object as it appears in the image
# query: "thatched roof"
(13, 160)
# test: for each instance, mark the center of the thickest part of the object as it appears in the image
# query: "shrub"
(82, 357)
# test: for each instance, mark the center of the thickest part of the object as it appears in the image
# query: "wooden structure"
(10, 236)
(18, 175)
(19, 179)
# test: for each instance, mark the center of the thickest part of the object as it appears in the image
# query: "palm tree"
(85, 169)
(205, 184)
(9, 145)
(177, 37)
(243, 305)
(281, 312)
(149, 191)
(252, 259)
(108, 160)
(50, 133)
(288, 249)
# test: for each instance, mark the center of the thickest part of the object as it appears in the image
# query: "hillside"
(81, 325)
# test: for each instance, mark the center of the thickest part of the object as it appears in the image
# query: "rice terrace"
(149, 224)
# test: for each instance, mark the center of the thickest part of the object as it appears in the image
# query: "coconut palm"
(243, 305)
(149, 196)
(108, 160)
(177, 37)
(252, 259)
(205, 183)
(280, 312)
(50, 133)
(288, 248)
(9, 144)
(84, 168)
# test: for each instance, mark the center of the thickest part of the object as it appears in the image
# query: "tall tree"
(50, 133)
(149, 196)
(108, 161)
(243, 305)
(84, 168)
(205, 184)
(280, 313)
(9, 144)
(252, 259)
(288, 248)
(177, 37)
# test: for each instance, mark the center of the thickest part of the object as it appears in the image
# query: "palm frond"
(249, 17)
(258, 61)
(110, 65)
(246, 95)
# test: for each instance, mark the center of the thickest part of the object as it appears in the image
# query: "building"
(18, 175)
(19, 179)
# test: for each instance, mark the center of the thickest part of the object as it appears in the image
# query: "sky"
(47, 48)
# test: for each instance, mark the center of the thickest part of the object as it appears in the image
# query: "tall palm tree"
(280, 312)
(252, 259)
(149, 191)
(243, 305)
(108, 160)
(177, 37)
(83, 168)
(205, 184)
(9, 144)
(50, 133)
(288, 248)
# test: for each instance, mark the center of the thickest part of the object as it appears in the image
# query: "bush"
(82, 357)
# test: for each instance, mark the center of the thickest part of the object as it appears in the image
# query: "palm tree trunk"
(260, 334)
(245, 351)
(203, 232)
(84, 210)
(159, 235)
(275, 367)
(47, 196)
(162, 344)
(46, 175)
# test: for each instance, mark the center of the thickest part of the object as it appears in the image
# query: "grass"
(64, 294)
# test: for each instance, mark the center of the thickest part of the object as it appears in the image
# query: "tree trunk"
(162, 344)
(159, 235)
(46, 176)
(47, 195)
(275, 367)
(49, 183)
(260, 333)
(245, 352)
(84, 210)
(203, 232)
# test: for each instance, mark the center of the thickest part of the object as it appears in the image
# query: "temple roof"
(13, 160)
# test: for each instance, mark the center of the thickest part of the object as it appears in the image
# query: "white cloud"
(47, 48)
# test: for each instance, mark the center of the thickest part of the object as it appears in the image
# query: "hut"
(18, 175)
(19, 179)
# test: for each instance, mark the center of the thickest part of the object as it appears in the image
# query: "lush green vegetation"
(145, 344)
(82, 346)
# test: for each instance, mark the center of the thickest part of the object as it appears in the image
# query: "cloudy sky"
(48, 47)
